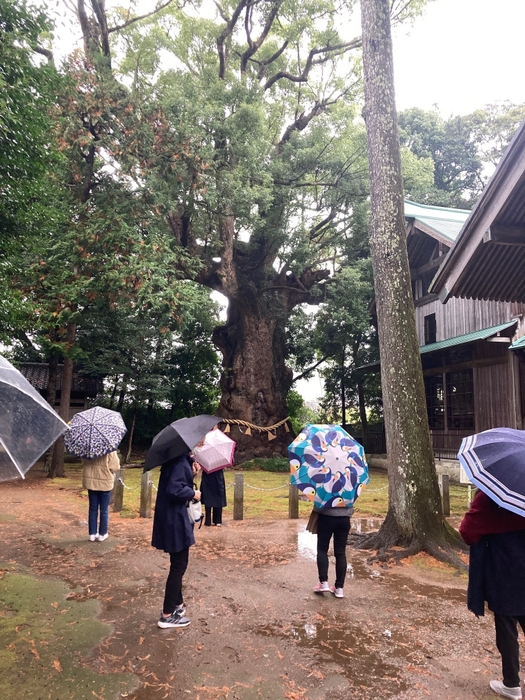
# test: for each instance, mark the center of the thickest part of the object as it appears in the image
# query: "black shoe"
(174, 620)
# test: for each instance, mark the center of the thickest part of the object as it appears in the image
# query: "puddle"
(363, 657)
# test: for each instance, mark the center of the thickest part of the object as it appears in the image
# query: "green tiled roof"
(518, 344)
(467, 338)
(445, 221)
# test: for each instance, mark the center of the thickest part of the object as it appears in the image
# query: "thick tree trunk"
(255, 379)
(415, 514)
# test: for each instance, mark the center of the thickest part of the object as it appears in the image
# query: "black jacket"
(172, 530)
(213, 489)
(497, 574)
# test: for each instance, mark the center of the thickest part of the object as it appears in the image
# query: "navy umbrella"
(494, 461)
(177, 438)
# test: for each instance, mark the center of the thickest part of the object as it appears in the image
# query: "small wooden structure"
(83, 388)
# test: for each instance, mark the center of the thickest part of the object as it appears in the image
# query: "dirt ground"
(78, 618)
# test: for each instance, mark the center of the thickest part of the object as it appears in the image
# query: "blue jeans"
(98, 500)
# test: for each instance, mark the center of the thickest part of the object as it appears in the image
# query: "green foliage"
(270, 464)
(27, 150)
(300, 414)
(447, 162)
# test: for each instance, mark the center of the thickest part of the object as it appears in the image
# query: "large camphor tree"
(249, 142)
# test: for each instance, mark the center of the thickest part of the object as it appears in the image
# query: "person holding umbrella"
(94, 436)
(494, 527)
(213, 454)
(172, 530)
(329, 467)
(98, 477)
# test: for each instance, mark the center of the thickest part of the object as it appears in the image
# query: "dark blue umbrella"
(94, 433)
(177, 438)
(494, 461)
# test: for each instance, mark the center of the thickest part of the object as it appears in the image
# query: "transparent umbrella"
(28, 424)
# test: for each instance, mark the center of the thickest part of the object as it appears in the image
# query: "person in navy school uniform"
(213, 489)
(173, 532)
(497, 575)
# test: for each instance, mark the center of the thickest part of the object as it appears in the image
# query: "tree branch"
(254, 46)
(221, 39)
(309, 370)
(311, 61)
(137, 19)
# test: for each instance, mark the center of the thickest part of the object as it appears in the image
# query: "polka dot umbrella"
(95, 432)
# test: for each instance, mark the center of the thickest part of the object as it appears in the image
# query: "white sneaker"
(500, 689)
(92, 538)
(338, 592)
(101, 538)
(322, 587)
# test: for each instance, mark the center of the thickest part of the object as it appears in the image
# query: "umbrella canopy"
(495, 462)
(177, 438)
(216, 453)
(28, 424)
(328, 465)
(95, 432)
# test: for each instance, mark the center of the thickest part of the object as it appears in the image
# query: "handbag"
(194, 510)
(311, 525)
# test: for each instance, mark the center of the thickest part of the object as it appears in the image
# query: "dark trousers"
(98, 502)
(508, 647)
(338, 527)
(173, 594)
(215, 513)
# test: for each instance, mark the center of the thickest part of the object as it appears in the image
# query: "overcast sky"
(461, 55)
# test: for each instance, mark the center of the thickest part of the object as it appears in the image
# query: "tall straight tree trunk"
(343, 389)
(414, 517)
(57, 463)
(51, 398)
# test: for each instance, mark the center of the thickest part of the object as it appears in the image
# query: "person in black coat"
(497, 575)
(213, 490)
(173, 533)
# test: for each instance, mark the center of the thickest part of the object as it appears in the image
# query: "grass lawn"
(265, 493)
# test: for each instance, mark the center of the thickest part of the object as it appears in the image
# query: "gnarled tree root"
(391, 545)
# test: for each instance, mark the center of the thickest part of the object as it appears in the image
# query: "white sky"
(461, 55)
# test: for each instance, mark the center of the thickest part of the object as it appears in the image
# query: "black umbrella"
(177, 438)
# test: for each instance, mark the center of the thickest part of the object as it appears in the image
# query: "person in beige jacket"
(98, 478)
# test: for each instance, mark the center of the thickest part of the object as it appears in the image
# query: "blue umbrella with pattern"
(328, 466)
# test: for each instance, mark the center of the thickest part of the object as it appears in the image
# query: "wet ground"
(78, 619)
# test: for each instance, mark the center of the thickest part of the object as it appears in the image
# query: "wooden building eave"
(488, 257)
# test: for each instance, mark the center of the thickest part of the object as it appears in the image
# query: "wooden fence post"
(238, 497)
(444, 488)
(293, 502)
(145, 496)
(118, 489)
